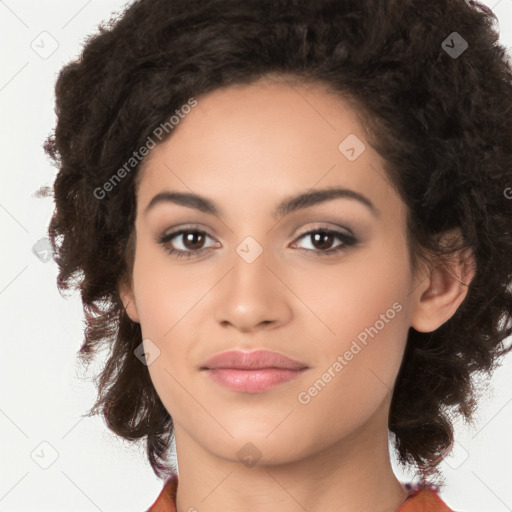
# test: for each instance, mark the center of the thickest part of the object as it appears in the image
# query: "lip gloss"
(252, 381)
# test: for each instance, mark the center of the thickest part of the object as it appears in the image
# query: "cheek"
(167, 298)
(362, 308)
(357, 293)
(166, 293)
(356, 379)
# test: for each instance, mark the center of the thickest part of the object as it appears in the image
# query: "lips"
(252, 372)
(256, 360)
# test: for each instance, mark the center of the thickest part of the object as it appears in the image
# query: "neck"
(352, 475)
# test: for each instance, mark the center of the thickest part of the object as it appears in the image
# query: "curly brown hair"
(434, 89)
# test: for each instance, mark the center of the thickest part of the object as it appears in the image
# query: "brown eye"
(193, 240)
(323, 240)
(190, 240)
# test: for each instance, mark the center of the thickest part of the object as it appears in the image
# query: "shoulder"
(423, 498)
(166, 500)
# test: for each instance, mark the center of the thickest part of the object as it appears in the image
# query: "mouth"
(252, 381)
(252, 372)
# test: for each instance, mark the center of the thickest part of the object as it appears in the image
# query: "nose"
(253, 296)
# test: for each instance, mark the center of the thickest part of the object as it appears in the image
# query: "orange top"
(420, 499)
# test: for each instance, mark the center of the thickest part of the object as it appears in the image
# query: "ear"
(125, 290)
(441, 291)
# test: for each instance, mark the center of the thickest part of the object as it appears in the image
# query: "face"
(324, 281)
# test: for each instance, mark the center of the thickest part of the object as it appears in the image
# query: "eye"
(322, 240)
(192, 242)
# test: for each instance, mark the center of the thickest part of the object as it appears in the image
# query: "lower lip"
(252, 381)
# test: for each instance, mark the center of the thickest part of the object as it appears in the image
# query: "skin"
(247, 148)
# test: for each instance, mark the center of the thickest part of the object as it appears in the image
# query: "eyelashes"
(166, 239)
(321, 236)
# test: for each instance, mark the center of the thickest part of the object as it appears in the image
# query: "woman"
(290, 222)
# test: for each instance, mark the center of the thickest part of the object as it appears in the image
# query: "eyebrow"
(287, 206)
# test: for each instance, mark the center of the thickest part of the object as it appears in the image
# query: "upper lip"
(255, 360)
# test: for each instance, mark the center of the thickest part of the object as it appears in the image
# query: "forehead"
(265, 140)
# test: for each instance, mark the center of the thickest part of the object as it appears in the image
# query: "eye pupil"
(322, 235)
(193, 236)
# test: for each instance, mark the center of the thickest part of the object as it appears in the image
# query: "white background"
(43, 392)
